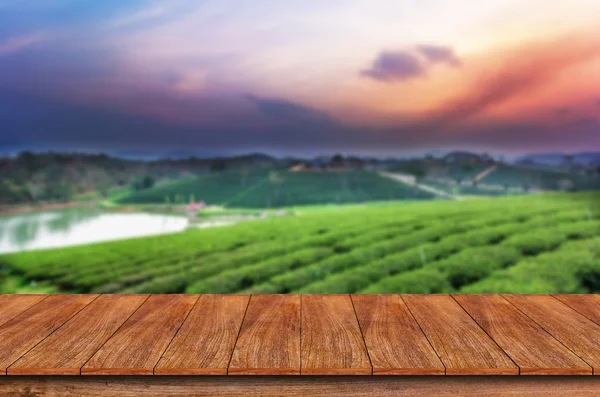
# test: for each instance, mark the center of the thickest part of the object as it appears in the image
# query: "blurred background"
(350, 147)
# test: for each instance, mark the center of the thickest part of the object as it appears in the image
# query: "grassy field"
(547, 243)
(264, 188)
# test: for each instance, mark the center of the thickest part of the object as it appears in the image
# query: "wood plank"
(205, 343)
(332, 343)
(301, 386)
(269, 340)
(13, 305)
(26, 330)
(140, 342)
(464, 348)
(395, 343)
(534, 350)
(66, 350)
(575, 331)
(588, 305)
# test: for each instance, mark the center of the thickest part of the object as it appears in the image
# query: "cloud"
(17, 43)
(143, 15)
(402, 65)
(289, 111)
(395, 66)
(439, 54)
(562, 111)
(516, 73)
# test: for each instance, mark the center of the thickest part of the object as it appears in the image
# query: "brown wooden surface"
(332, 342)
(534, 350)
(206, 340)
(26, 330)
(464, 348)
(301, 386)
(140, 342)
(588, 305)
(394, 340)
(269, 340)
(575, 331)
(13, 305)
(299, 334)
(66, 350)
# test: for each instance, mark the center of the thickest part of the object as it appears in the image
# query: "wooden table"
(375, 345)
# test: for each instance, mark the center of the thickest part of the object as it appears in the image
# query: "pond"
(76, 226)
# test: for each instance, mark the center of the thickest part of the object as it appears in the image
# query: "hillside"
(547, 243)
(270, 188)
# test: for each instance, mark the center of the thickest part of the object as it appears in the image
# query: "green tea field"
(521, 244)
(268, 188)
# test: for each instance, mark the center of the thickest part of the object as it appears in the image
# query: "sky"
(300, 76)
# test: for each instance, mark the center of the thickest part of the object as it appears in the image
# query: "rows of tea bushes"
(535, 243)
(271, 188)
(515, 176)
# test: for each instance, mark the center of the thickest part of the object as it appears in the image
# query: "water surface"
(77, 226)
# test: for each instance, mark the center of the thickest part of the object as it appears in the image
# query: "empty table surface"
(299, 335)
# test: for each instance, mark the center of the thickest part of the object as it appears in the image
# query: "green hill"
(264, 188)
(519, 176)
(547, 243)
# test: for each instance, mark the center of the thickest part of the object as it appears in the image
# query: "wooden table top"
(299, 334)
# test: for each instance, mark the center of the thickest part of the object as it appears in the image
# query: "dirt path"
(485, 173)
(410, 180)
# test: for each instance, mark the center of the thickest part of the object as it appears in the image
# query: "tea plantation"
(269, 188)
(546, 243)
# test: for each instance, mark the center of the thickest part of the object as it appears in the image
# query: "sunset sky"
(300, 76)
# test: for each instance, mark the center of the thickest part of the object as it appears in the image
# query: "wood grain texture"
(301, 386)
(588, 305)
(140, 342)
(205, 342)
(575, 331)
(269, 339)
(395, 343)
(13, 305)
(464, 348)
(66, 350)
(332, 343)
(534, 350)
(26, 330)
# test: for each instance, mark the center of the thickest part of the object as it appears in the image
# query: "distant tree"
(338, 159)
(218, 165)
(145, 182)
(192, 198)
(417, 169)
(419, 174)
(568, 159)
(467, 168)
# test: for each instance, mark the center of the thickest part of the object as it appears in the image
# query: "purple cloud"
(286, 110)
(439, 54)
(395, 66)
(402, 65)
